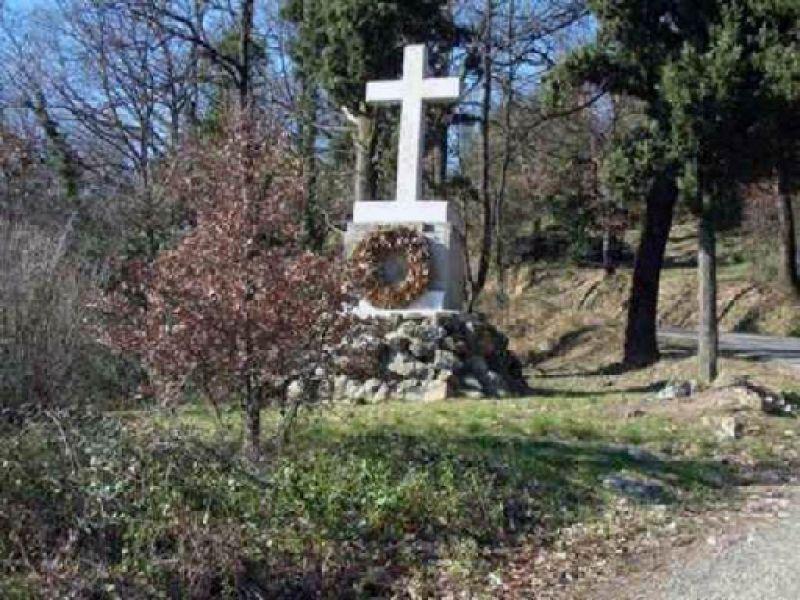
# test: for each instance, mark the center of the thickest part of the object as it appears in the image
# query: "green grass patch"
(358, 501)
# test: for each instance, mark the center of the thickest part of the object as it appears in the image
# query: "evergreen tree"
(709, 91)
(776, 33)
(342, 44)
(710, 74)
(636, 40)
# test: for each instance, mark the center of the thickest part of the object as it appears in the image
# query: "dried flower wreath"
(375, 249)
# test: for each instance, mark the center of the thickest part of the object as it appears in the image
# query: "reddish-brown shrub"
(237, 306)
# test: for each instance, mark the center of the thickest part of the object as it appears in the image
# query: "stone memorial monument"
(413, 342)
(384, 234)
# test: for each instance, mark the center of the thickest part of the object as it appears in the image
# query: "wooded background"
(580, 121)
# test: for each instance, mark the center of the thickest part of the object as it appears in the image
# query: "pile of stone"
(425, 359)
(737, 392)
(677, 389)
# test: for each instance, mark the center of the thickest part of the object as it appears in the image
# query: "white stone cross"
(412, 91)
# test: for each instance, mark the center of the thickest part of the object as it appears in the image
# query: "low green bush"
(103, 506)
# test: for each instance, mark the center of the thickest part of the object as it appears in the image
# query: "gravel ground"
(762, 563)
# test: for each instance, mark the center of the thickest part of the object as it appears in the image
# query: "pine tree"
(776, 33)
(636, 40)
(710, 74)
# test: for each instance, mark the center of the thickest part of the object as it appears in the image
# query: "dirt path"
(742, 345)
(754, 562)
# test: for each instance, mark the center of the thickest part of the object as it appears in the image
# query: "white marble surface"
(427, 211)
(429, 304)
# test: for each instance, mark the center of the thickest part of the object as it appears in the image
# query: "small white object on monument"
(437, 220)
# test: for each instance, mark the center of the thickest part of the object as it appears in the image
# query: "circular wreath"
(378, 247)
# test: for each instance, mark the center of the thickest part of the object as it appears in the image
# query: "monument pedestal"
(417, 358)
(442, 226)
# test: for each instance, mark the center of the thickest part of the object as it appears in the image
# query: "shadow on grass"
(490, 491)
(563, 344)
(574, 468)
(614, 391)
(614, 368)
(339, 514)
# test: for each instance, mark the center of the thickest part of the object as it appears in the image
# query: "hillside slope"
(555, 307)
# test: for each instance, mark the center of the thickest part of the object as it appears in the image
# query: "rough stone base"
(426, 359)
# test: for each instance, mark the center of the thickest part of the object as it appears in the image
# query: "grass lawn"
(414, 500)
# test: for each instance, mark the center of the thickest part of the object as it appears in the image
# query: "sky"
(21, 5)
(25, 3)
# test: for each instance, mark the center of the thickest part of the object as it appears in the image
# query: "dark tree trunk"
(641, 343)
(252, 395)
(479, 281)
(500, 258)
(788, 264)
(438, 146)
(608, 252)
(193, 104)
(439, 155)
(314, 230)
(69, 164)
(245, 40)
(252, 420)
(313, 225)
(708, 339)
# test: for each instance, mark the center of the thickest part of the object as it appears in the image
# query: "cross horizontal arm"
(384, 92)
(441, 89)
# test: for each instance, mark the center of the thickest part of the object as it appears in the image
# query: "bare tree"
(189, 22)
(110, 90)
(513, 44)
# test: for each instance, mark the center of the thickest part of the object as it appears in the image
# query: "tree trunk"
(193, 104)
(788, 264)
(500, 257)
(69, 167)
(608, 252)
(252, 408)
(252, 420)
(641, 343)
(439, 155)
(707, 294)
(363, 149)
(245, 40)
(314, 229)
(485, 191)
(439, 144)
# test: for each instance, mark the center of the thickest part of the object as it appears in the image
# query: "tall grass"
(46, 356)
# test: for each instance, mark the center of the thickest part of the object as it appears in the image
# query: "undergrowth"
(356, 504)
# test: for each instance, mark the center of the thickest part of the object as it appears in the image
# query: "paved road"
(742, 345)
(762, 564)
